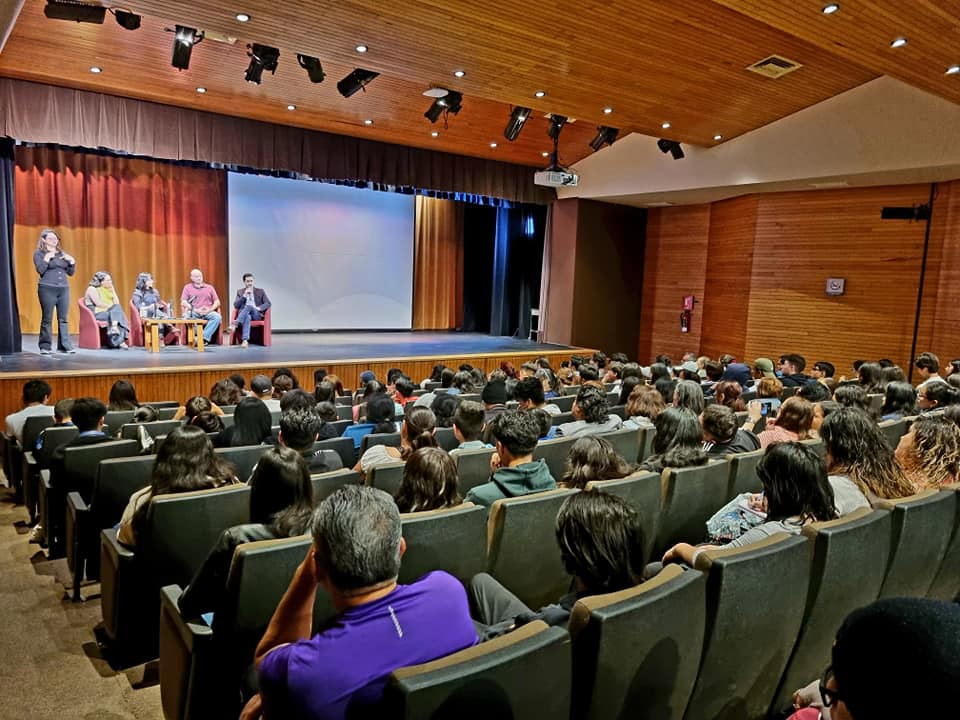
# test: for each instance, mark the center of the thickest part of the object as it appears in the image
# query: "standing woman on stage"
(54, 266)
(101, 298)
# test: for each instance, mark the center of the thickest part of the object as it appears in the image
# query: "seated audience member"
(739, 373)
(626, 387)
(185, 462)
(528, 370)
(791, 424)
(324, 392)
(930, 452)
(434, 375)
(123, 396)
(549, 382)
(356, 555)
(327, 412)
(593, 458)
(61, 418)
(821, 410)
(772, 389)
(101, 298)
(145, 414)
(870, 377)
(462, 383)
(791, 370)
(795, 492)
(298, 399)
(658, 372)
(722, 434)
(36, 395)
(713, 372)
(862, 466)
(515, 472)
(822, 369)
(853, 396)
(299, 430)
(509, 370)
(688, 394)
(363, 397)
(916, 639)
(281, 505)
(601, 545)
(379, 419)
(416, 431)
(468, 427)
(643, 406)
(529, 396)
(933, 395)
(338, 388)
(729, 393)
(763, 368)
(494, 398)
(429, 482)
(590, 375)
(282, 384)
(261, 387)
(226, 392)
(899, 401)
(928, 368)
(689, 370)
(446, 381)
(288, 372)
(444, 407)
(403, 390)
(815, 392)
(954, 381)
(666, 388)
(240, 381)
(252, 425)
(207, 421)
(194, 406)
(678, 442)
(663, 360)
(590, 415)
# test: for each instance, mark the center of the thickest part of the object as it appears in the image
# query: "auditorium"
(594, 360)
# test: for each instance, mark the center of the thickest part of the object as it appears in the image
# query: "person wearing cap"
(494, 397)
(689, 371)
(763, 368)
(738, 372)
(367, 376)
(262, 388)
(915, 640)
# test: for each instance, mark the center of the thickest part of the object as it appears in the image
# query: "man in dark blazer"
(251, 303)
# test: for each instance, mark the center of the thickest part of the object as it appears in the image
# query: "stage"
(176, 372)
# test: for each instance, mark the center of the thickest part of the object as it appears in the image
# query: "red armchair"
(259, 330)
(93, 332)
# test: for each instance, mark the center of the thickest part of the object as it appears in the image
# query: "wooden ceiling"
(651, 61)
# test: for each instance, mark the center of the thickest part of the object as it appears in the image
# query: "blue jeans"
(244, 316)
(213, 322)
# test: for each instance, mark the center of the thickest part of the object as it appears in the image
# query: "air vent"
(774, 66)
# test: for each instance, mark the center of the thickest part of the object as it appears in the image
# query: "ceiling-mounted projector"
(556, 178)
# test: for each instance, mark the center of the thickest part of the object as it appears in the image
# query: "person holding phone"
(54, 266)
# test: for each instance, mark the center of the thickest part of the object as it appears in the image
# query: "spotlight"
(556, 125)
(313, 68)
(670, 146)
(126, 19)
(355, 82)
(262, 57)
(76, 11)
(605, 136)
(517, 118)
(451, 102)
(183, 42)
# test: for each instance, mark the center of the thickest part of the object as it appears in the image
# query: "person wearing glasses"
(54, 266)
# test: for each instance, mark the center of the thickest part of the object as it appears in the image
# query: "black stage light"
(916, 212)
(355, 82)
(556, 125)
(262, 57)
(183, 42)
(449, 103)
(517, 118)
(434, 112)
(76, 11)
(313, 68)
(670, 146)
(126, 19)
(605, 136)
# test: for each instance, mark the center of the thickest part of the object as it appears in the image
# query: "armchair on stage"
(259, 330)
(93, 332)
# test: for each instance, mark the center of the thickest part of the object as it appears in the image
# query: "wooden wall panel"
(558, 323)
(675, 264)
(940, 311)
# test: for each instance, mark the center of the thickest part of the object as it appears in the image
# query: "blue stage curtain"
(517, 265)
(11, 340)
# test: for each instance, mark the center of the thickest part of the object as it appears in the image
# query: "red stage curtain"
(122, 215)
(438, 264)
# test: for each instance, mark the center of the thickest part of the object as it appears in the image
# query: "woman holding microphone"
(54, 266)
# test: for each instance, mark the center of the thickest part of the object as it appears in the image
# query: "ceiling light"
(556, 125)
(545, 154)
(718, 137)
(665, 126)
(830, 8)
(670, 146)
(607, 110)
(898, 42)
(313, 67)
(184, 39)
(368, 121)
(434, 134)
(262, 57)
(539, 93)
(355, 82)
(362, 48)
(126, 19)
(459, 73)
(201, 90)
(449, 103)
(517, 118)
(605, 136)
(953, 70)
(243, 17)
(493, 145)
(291, 107)
(96, 70)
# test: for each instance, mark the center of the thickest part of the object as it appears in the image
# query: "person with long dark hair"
(593, 458)
(899, 401)
(429, 482)
(149, 302)
(416, 431)
(123, 396)
(54, 266)
(678, 442)
(252, 425)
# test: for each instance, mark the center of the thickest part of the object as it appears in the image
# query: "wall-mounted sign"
(835, 286)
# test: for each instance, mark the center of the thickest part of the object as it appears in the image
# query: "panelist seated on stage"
(251, 303)
(148, 300)
(101, 298)
(200, 300)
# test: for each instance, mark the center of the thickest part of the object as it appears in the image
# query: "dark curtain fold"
(10, 338)
(479, 233)
(517, 266)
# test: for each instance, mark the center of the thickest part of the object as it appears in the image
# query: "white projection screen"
(329, 257)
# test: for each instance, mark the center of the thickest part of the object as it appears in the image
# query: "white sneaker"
(45, 351)
(37, 535)
(245, 344)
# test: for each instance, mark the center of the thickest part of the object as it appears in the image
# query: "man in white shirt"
(36, 394)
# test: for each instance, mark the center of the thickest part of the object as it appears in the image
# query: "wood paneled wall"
(767, 259)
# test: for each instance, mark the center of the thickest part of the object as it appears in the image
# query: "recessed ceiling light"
(718, 137)
(830, 8)
(607, 110)
(362, 48)
(665, 126)
(434, 134)
(96, 70)
(539, 93)
(953, 70)
(898, 42)
(493, 144)
(545, 154)
(243, 17)
(368, 121)
(291, 107)
(459, 73)
(201, 90)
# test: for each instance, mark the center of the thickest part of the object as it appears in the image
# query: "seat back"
(646, 443)
(562, 418)
(522, 675)
(743, 473)
(473, 468)
(688, 498)
(946, 584)
(849, 561)
(522, 550)
(118, 479)
(636, 652)
(345, 411)
(371, 439)
(53, 438)
(244, 458)
(755, 601)
(340, 445)
(892, 431)
(555, 453)
(167, 412)
(326, 484)
(922, 528)
(446, 439)
(92, 331)
(340, 425)
(136, 325)
(564, 402)
(386, 477)
(158, 427)
(642, 491)
(80, 462)
(32, 427)
(115, 419)
(625, 442)
(876, 403)
(452, 539)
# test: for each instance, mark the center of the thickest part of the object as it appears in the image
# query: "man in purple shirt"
(380, 625)
(200, 300)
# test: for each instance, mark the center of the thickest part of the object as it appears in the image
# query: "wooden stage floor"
(176, 373)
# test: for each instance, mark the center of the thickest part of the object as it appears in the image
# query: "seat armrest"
(119, 553)
(194, 633)
(78, 513)
(185, 657)
(76, 504)
(28, 456)
(45, 478)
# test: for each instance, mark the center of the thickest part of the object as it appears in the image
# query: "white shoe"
(245, 344)
(37, 535)
(45, 351)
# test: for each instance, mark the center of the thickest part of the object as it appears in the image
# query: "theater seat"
(688, 498)
(473, 468)
(386, 477)
(93, 332)
(325, 484)
(625, 442)
(743, 473)
(451, 539)
(946, 585)
(642, 491)
(554, 453)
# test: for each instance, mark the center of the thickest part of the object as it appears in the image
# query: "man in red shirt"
(200, 300)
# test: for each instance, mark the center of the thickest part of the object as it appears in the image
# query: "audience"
(930, 452)
(593, 458)
(928, 368)
(722, 434)
(468, 426)
(729, 393)
(123, 396)
(590, 415)
(299, 430)
(416, 431)
(678, 442)
(429, 482)
(791, 369)
(529, 395)
(936, 395)
(261, 387)
(226, 392)
(444, 407)
(36, 395)
(899, 401)
(792, 423)
(494, 397)
(688, 394)
(252, 425)
(642, 408)
(379, 419)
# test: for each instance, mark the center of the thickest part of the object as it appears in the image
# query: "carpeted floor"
(52, 669)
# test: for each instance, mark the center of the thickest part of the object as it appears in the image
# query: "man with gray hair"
(380, 626)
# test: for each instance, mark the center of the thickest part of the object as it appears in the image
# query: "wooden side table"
(194, 326)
